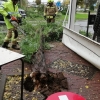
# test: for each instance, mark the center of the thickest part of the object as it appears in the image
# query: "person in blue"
(58, 4)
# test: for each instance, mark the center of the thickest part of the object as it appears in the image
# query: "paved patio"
(88, 88)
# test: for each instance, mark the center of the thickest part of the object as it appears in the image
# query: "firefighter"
(9, 9)
(50, 11)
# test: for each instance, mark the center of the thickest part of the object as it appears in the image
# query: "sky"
(44, 0)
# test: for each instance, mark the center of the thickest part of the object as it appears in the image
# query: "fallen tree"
(41, 79)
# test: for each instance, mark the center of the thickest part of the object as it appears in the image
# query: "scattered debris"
(74, 68)
(12, 90)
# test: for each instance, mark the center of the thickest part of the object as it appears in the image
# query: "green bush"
(64, 10)
(31, 43)
(2, 36)
(55, 33)
(84, 33)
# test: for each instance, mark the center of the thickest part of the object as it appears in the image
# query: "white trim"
(83, 46)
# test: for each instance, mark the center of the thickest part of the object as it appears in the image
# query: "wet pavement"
(89, 88)
(83, 26)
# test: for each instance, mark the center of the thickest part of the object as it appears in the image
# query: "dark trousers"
(50, 20)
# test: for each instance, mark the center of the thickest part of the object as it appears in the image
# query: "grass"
(60, 17)
(81, 16)
(2, 36)
(78, 16)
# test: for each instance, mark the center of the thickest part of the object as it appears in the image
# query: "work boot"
(5, 45)
(15, 47)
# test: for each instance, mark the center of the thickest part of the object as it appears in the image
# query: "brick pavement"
(90, 89)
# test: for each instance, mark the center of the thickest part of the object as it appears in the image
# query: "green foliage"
(91, 2)
(2, 36)
(40, 8)
(54, 33)
(84, 33)
(46, 46)
(27, 27)
(80, 2)
(32, 14)
(64, 10)
(38, 2)
(33, 25)
(31, 43)
(92, 8)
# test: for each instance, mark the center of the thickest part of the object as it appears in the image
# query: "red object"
(13, 18)
(65, 96)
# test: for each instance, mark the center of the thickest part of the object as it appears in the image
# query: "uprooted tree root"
(46, 83)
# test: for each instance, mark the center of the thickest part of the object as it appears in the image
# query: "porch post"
(72, 10)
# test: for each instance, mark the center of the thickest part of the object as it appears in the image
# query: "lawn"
(78, 16)
(81, 16)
